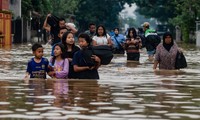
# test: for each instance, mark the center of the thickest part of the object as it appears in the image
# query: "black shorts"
(133, 56)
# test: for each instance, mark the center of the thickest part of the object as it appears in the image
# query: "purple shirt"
(61, 68)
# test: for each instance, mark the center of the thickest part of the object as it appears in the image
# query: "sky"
(128, 11)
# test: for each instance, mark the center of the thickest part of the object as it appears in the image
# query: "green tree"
(104, 12)
(187, 13)
(26, 8)
(64, 8)
(176, 12)
(162, 10)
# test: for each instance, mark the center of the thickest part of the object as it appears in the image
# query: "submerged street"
(125, 90)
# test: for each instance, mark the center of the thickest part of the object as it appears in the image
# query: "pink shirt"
(61, 68)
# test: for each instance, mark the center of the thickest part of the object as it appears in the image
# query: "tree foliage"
(26, 8)
(187, 12)
(177, 12)
(104, 12)
(162, 10)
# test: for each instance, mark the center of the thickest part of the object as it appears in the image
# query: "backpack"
(151, 40)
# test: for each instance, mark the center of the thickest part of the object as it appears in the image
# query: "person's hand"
(70, 59)
(91, 67)
(52, 74)
(96, 58)
(49, 15)
(26, 79)
(180, 50)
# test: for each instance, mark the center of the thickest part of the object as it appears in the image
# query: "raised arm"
(45, 25)
(72, 28)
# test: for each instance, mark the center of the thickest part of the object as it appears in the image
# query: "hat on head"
(145, 24)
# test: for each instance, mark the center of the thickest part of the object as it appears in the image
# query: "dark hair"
(64, 37)
(61, 19)
(86, 37)
(36, 46)
(134, 32)
(168, 46)
(62, 47)
(167, 34)
(116, 28)
(72, 17)
(91, 24)
(104, 30)
(62, 28)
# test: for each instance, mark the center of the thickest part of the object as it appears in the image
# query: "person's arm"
(79, 69)
(94, 41)
(140, 42)
(27, 76)
(63, 73)
(157, 58)
(72, 28)
(45, 25)
(110, 43)
(28, 70)
(97, 60)
(75, 63)
(155, 64)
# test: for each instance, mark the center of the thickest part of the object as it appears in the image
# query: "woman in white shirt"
(101, 37)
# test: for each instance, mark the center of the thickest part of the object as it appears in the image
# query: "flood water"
(125, 91)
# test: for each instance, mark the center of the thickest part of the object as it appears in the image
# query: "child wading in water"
(58, 64)
(38, 66)
(82, 67)
(71, 48)
(132, 45)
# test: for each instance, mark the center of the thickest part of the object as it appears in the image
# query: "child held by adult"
(70, 49)
(38, 66)
(82, 67)
(58, 64)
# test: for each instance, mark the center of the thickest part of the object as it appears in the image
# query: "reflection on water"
(126, 90)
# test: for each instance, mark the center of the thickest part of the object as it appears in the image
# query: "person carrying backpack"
(151, 40)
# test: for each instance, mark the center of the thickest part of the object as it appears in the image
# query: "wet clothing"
(133, 56)
(118, 41)
(79, 60)
(132, 50)
(103, 40)
(90, 33)
(54, 33)
(165, 58)
(60, 67)
(38, 70)
(151, 40)
(70, 54)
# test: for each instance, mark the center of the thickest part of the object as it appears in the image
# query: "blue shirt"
(38, 70)
(120, 38)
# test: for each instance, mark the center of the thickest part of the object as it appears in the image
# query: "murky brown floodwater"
(125, 91)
